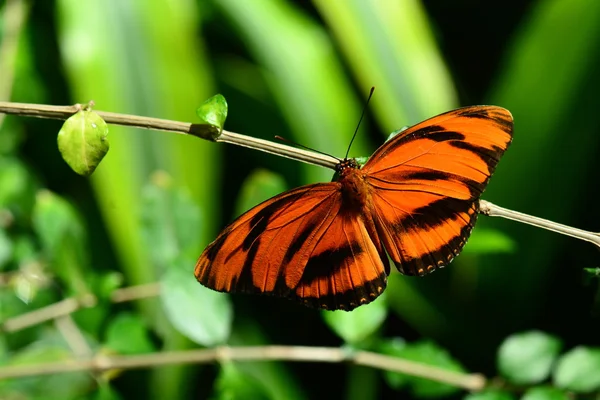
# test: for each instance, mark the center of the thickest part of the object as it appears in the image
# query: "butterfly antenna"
(303, 146)
(360, 120)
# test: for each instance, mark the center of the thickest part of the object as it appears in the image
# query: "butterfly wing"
(302, 245)
(427, 180)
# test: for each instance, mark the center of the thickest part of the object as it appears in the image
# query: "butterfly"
(327, 244)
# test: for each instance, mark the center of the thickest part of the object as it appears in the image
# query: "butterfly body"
(354, 187)
(327, 244)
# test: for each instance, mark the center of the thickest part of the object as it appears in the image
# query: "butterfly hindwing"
(348, 266)
(427, 181)
(300, 244)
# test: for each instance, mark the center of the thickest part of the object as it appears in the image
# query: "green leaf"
(17, 187)
(101, 285)
(527, 358)
(579, 370)
(425, 352)
(361, 160)
(394, 133)
(63, 237)
(544, 393)
(83, 141)
(106, 283)
(259, 186)
(233, 384)
(212, 112)
(392, 347)
(592, 272)
(6, 248)
(29, 280)
(127, 334)
(201, 314)
(171, 222)
(358, 324)
(489, 241)
(11, 134)
(24, 249)
(54, 220)
(490, 395)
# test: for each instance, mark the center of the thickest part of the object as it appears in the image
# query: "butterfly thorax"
(354, 187)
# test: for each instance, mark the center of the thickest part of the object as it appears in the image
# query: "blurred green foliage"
(527, 358)
(299, 70)
(424, 352)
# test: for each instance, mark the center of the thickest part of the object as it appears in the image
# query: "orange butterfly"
(325, 244)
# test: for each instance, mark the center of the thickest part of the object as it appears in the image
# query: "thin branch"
(73, 336)
(136, 292)
(68, 306)
(64, 112)
(43, 314)
(492, 210)
(473, 382)
(294, 153)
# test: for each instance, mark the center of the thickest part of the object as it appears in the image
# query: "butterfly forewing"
(251, 254)
(302, 245)
(426, 184)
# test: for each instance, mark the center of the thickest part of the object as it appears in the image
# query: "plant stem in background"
(473, 382)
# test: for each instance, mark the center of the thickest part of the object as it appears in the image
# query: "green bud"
(83, 141)
(212, 113)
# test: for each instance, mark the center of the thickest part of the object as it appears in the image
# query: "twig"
(64, 112)
(56, 310)
(492, 210)
(70, 305)
(310, 157)
(135, 292)
(100, 363)
(73, 336)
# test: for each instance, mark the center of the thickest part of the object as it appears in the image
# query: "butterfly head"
(344, 167)
(346, 164)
